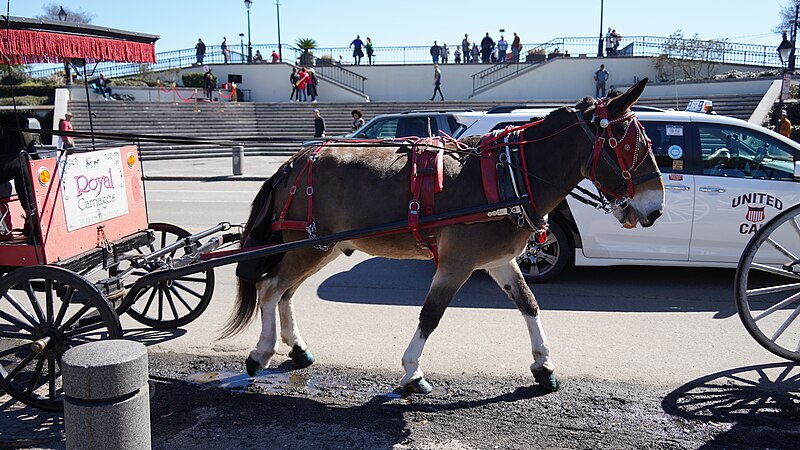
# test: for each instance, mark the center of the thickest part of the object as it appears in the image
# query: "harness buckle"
(626, 175)
(310, 191)
(311, 229)
(413, 207)
(313, 157)
(293, 189)
(621, 203)
(612, 142)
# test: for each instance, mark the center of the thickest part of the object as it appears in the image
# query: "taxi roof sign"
(700, 106)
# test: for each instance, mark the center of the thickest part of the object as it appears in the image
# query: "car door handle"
(712, 189)
(676, 187)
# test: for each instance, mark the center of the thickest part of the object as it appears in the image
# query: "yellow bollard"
(174, 91)
(219, 100)
(196, 106)
(234, 94)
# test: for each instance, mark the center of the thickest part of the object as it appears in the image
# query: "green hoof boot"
(546, 379)
(253, 367)
(418, 386)
(301, 358)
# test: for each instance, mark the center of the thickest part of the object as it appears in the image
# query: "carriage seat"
(6, 189)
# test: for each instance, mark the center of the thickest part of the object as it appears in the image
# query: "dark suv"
(410, 123)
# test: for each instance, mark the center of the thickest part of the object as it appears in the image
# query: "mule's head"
(622, 164)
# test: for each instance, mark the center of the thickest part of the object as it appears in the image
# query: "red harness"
(427, 179)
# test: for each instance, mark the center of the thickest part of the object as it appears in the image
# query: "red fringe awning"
(28, 47)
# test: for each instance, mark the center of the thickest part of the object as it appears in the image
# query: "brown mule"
(359, 187)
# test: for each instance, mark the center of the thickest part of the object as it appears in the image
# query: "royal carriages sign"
(92, 187)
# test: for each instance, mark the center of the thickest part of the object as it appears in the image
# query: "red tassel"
(28, 47)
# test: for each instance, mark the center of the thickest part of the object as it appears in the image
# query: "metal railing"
(327, 69)
(648, 46)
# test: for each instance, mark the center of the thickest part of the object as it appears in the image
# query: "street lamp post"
(62, 16)
(785, 50)
(248, 4)
(241, 45)
(600, 42)
(280, 50)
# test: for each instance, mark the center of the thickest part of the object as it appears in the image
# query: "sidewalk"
(254, 168)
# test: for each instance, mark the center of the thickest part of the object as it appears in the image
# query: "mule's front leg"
(510, 279)
(290, 333)
(268, 341)
(446, 283)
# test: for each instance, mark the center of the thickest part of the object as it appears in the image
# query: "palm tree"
(306, 44)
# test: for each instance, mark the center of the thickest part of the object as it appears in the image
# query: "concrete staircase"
(280, 128)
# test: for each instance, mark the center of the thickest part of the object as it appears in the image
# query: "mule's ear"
(623, 102)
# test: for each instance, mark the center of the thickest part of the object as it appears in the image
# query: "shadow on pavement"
(758, 404)
(621, 288)
(152, 336)
(22, 426)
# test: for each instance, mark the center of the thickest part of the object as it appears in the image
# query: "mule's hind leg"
(510, 279)
(447, 281)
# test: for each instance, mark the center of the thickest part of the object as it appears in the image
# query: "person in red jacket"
(301, 84)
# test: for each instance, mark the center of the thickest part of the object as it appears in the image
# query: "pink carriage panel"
(16, 253)
(91, 199)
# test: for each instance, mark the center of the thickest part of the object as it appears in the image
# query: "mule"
(361, 186)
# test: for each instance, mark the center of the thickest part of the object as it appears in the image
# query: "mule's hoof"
(418, 386)
(253, 367)
(546, 379)
(301, 358)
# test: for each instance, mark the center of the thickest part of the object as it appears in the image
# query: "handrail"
(326, 68)
(647, 46)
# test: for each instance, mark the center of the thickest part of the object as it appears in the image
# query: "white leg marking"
(290, 333)
(268, 341)
(539, 346)
(411, 358)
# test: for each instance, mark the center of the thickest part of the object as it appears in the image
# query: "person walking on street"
(435, 51)
(370, 50)
(457, 55)
(65, 124)
(226, 52)
(319, 124)
(600, 78)
(358, 53)
(437, 82)
(502, 48)
(358, 120)
(465, 48)
(293, 79)
(487, 44)
(516, 48)
(200, 51)
(785, 126)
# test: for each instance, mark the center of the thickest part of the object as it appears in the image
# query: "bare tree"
(787, 16)
(73, 14)
(689, 58)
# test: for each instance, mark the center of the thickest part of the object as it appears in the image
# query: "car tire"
(543, 262)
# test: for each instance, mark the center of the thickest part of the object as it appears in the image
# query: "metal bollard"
(237, 157)
(106, 396)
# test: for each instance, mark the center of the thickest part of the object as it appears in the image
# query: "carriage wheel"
(542, 262)
(173, 303)
(768, 285)
(44, 311)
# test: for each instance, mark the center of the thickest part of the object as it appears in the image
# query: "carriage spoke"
(22, 364)
(15, 335)
(777, 306)
(14, 321)
(171, 303)
(84, 309)
(51, 377)
(191, 279)
(180, 297)
(160, 304)
(48, 289)
(781, 249)
(149, 302)
(34, 301)
(786, 324)
(64, 305)
(774, 270)
(187, 289)
(37, 371)
(773, 289)
(13, 350)
(21, 309)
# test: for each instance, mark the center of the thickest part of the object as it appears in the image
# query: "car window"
(453, 124)
(381, 129)
(742, 153)
(416, 126)
(669, 145)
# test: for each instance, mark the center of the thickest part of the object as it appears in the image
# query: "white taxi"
(724, 179)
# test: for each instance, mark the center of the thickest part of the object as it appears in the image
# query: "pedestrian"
(616, 37)
(785, 126)
(600, 78)
(502, 48)
(276, 58)
(465, 48)
(200, 51)
(516, 48)
(487, 44)
(303, 78)
(358, 120)
(609, 43)
(445, 53)
(457, 55)
(311, 86)
(476, 54)
(370, 50)
(319, 124)
(293, 79)
(437, 82)
(65, 124)
(209, 83)
(435, 52)
(226, 52)
(258, 57)
(358, 53)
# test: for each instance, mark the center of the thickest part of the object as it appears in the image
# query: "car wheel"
(542, 262)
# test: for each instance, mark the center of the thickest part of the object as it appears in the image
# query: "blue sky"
(419, 22)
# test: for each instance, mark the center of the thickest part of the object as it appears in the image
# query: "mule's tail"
(256, 232)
